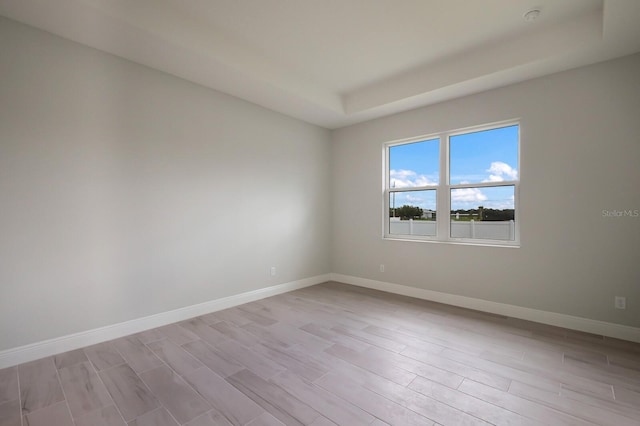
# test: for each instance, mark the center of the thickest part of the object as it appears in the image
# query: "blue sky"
(487, 156)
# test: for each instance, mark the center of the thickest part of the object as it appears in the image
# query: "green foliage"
(483, 214)
(498, 215)
(408, 212)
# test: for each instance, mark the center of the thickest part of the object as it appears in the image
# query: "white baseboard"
(58, 345)
(551, 318)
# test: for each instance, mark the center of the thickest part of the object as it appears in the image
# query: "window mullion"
(484, 184)
(413, 188)
(443, 201)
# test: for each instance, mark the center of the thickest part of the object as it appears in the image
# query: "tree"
(498, 215)
(409, 212)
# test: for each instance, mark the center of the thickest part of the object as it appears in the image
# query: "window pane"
(483, 213)
(487, 156)
(414, 164)
(412, 212)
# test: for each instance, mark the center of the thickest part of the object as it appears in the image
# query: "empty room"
(304, 212)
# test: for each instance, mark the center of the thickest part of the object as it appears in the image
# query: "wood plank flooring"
(333, 354)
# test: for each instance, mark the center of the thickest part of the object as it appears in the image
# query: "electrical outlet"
(620, 302)
(273, 271)
(382, 267)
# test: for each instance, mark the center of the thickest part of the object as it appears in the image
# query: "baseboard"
(19, 355)
(602, 328)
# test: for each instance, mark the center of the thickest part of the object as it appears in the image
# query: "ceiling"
(339, 62)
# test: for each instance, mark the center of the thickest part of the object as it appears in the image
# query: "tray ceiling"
(339, 62)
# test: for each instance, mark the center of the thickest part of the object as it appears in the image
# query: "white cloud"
(408, 179)
(500, 172)
(471, 198)
(494, 178)
(468, 195)
(499, 205)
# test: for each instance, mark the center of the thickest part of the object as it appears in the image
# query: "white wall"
(126, 192)
(580, 154)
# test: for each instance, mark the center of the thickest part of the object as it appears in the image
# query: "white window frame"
(444, 187)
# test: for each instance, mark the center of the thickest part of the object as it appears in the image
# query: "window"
(459, 186)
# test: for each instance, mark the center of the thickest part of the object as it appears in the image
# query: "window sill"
(454, 242)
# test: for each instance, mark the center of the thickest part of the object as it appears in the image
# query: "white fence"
(504, 230)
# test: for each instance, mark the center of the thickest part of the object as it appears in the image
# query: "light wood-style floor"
(333, 354)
